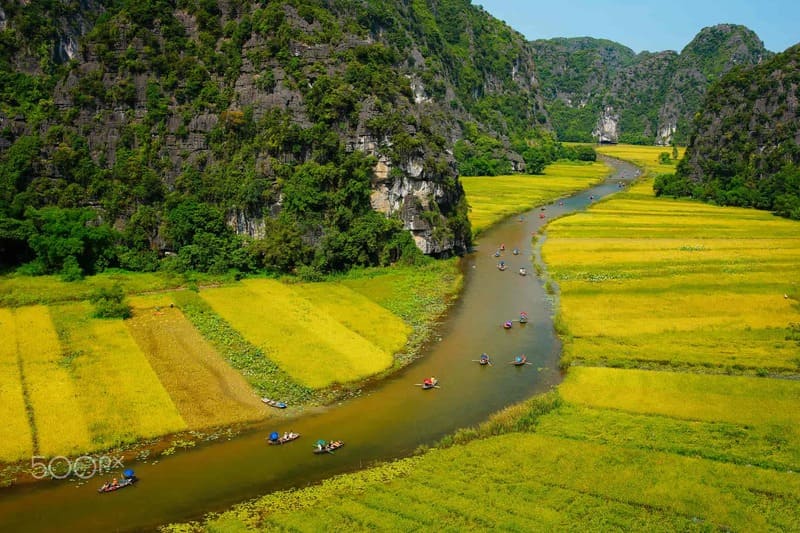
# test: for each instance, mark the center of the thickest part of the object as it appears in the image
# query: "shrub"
(109, 302)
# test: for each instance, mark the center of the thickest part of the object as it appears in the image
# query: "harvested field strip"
(313, 347)
(357, 312)
(497, 197)
(262, 373)
(120, 395)
(761, 445)
(59, 417)
(16, 440)
(205, 390)
(712, 398)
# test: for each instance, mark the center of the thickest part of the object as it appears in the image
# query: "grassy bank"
(676, 296)
(495, 198)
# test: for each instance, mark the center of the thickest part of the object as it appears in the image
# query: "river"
(389, 420)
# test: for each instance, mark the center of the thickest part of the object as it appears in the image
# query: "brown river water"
(389, 420)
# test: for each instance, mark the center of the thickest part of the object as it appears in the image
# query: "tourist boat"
(507, 324)
(501, 266)
(519, 360)
(523, 317)
(274, 438)
(128, 479)
(497, 253)
(484, 360)
(429, 383)
(523, 272)
(274, 403)
(328, 447)
(515, 251)
(541, 215)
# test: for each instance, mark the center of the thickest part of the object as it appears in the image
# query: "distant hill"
(277, 134)
(745, 149)
(596, 88)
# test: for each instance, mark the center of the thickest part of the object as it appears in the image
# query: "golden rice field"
(677, 282)
(206, 391)
(59, 420)
(15, 432)
(358, 313)
(313, 346)
(695, 288)
(71, 384)
(120, 394)
(494, 198)
(735, 399)
(645, 157)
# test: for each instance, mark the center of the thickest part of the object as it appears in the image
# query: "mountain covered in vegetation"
(599, 89)
(296, 135)
(745, 147)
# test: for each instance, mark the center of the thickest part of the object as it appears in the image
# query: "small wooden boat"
(515, 251)
(283, 439)
(484, 360)
(502, 247)
(274, 403)
(523, 317)
(327, 447)
(523, 272)
(501, 266)
(126, 482)
(507, 324)
(497, 253)
(430, 383)
(541, 215)
(519, 360)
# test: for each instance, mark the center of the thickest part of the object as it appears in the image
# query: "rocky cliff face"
(606, 130)
(228, 102)
(746, 145)
(655, 94)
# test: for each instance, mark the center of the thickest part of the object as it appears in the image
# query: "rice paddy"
(15, 432)
(313, 346)
(494, 198)
(696, 430)
(646, 157)
(714, 297)
(58, 418)
(72, 384)
(206, 391)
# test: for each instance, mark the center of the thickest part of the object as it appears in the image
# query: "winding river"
(389, 420)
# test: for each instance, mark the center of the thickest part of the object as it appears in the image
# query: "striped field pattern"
(313, 346)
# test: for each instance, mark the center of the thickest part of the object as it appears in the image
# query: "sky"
(653, 25)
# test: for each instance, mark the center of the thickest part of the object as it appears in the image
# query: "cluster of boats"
(519, 360)
(501, 266)
(322, 446)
